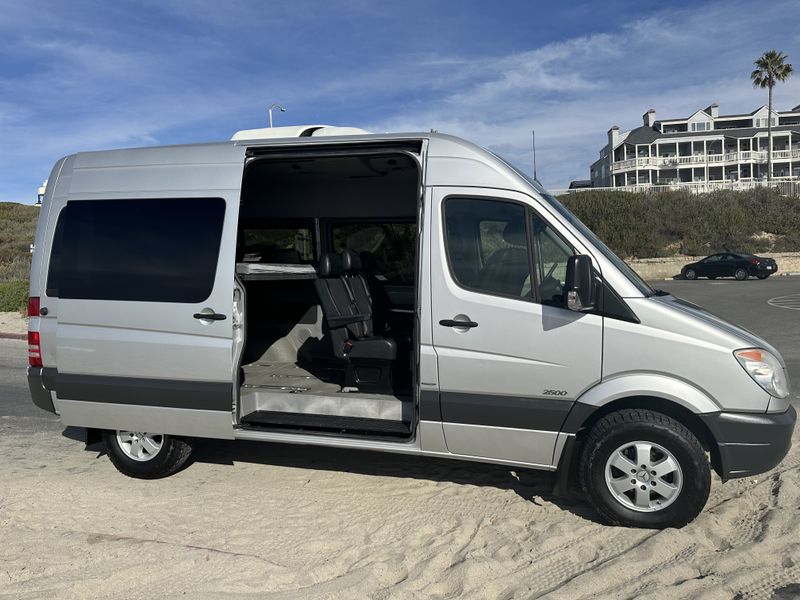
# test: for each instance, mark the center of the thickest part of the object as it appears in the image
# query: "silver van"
(408, 293)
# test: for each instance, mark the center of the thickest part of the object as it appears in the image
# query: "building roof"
(648, 135)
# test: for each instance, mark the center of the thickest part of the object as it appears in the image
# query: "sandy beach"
(252, 520)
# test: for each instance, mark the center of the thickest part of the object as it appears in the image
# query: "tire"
(154, 460)
(740, 274)
(613, 439)
(762, 276)
(712, 276)
(690, 274)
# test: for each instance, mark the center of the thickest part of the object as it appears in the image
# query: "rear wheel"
(690, 274)
(640, 468)
(740, 274)
(146, 455)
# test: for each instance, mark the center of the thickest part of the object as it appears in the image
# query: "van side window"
(552, 254)
(387, 249)
(487, 246)
(141, 250)
(51, 287)
(289, 244)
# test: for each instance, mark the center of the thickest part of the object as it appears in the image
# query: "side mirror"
(579, 288)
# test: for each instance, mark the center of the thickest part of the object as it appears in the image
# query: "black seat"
(347, 307)
(507, 269)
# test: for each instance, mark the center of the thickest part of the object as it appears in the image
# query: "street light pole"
(274, 105)
(533, 140)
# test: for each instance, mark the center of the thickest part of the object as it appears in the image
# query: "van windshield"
(623, 267)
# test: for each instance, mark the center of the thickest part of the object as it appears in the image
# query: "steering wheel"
(551, 289)
(550, 272)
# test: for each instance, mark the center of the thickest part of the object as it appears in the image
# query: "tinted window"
(288, 244)
(55, 257)
(387, 249)
(142, 250)
(552, 254)
(487, 246)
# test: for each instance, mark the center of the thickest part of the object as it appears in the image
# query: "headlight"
(765, 369)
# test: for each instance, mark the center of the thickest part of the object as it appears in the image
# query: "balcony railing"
(788, 186)
(757, 156)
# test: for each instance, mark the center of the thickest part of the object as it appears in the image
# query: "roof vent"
(295, 131)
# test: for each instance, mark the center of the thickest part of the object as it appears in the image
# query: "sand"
(13, 322)
(249, 520)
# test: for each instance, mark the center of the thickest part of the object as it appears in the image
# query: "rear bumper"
(41, 396)
(763, 270)
(750, 443)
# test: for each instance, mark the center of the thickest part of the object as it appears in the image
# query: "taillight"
(34, 349)
(755, 261)
(33, 306)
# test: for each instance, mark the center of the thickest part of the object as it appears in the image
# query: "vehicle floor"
(273, 387)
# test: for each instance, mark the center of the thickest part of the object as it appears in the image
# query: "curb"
(13, 336)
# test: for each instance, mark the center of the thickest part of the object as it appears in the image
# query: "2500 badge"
(554, 393)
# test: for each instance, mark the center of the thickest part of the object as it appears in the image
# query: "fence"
(785, 188)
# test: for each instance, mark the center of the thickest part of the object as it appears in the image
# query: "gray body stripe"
(429, 408)
(542, 414)
(195, 395)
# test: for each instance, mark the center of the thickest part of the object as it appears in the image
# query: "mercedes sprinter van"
(408, 293)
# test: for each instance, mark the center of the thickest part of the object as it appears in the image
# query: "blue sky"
(93, 75)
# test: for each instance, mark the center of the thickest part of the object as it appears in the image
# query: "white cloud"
(94, 84)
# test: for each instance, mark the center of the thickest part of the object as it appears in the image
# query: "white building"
(703, 148)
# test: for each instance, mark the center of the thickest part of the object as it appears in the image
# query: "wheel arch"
(681, 402)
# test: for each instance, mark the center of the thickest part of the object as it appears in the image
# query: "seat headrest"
(330, 265)
(351, 261)
(515, 234)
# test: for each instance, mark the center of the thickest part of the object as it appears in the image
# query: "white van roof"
(295, 131)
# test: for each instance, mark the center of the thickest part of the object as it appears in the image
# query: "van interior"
(327, 258)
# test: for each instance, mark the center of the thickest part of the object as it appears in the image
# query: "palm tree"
(770, 69)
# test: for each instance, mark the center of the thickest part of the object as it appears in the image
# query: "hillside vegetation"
(17, 228)
(633, 225)
(669, 223)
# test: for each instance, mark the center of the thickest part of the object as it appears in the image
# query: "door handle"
(210, 316)
(454, 323)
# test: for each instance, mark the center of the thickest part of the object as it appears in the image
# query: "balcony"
(702, 159)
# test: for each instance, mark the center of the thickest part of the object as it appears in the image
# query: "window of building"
(387, 249)
(138, 250)
(762, 122)
(271, 242)
(701, 126)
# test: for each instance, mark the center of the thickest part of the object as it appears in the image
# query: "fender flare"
(655, 385)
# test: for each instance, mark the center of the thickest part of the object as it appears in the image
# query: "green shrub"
(666, 223)
(13, 296)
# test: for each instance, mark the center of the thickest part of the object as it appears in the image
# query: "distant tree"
(771, 67)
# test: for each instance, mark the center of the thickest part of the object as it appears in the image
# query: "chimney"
(649, 118)
(613, 137)
(713, 110)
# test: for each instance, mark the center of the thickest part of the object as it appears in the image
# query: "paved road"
(742, 302)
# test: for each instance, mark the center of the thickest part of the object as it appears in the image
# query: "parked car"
(731, 264)
(407, 293)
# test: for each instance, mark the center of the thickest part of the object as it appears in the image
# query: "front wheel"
(690, 274)
(740, 274)
(641, 468)
(762, 276)
(146, 455)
